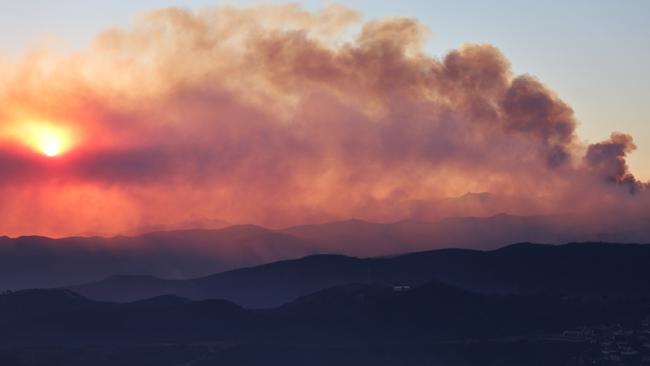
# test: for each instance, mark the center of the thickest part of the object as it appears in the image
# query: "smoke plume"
(278, 116)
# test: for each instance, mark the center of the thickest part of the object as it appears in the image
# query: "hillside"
(584, 269)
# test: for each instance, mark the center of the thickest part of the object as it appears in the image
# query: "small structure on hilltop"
(401, 288)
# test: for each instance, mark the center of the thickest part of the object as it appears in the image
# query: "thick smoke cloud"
(277, 116)
(607, 159)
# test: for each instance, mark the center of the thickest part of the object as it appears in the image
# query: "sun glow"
(50, 144)
(44, 137)
(49, 139)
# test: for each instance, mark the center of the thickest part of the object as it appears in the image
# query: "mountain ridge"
(578, 269)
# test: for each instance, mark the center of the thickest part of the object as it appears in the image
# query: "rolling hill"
(583, 269)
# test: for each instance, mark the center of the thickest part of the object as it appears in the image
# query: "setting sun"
(45, 137)
(50, 144)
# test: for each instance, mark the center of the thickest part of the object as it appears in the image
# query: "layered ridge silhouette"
(590, 270)
(44, 262)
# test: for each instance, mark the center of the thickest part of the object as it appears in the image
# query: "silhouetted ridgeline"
(584, 269)
(512, 306)
(352, 324)
(29, 262)
(351, 312)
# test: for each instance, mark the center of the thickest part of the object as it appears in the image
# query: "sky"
(117, 117)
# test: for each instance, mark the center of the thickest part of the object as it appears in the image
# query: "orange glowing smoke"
(276, 115)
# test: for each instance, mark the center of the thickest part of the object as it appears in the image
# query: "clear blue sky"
(594, 54)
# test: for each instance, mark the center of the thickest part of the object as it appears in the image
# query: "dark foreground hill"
(353, 324)
(585, 269)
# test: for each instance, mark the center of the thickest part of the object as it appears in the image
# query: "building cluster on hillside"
(613, 344)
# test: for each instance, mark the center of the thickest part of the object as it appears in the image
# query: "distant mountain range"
(586, 269)
(29, 262)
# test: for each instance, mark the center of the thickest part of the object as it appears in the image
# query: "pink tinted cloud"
(273, 115)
